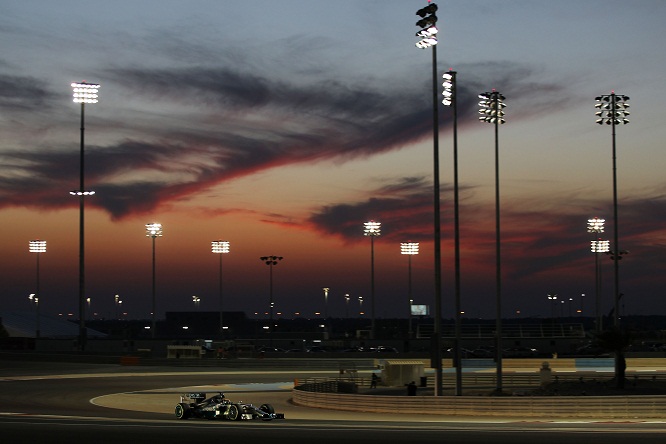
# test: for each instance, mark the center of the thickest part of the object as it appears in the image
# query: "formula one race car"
(197, 405)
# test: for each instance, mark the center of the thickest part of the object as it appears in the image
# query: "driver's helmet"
(218, 398)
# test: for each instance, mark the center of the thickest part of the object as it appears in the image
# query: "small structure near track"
(399, 372)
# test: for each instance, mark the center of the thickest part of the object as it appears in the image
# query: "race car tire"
(233, 412)
(182, 410)
(267, 408)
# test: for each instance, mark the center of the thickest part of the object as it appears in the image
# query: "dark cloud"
(23, 93)
(246, 122)
(404, 209)
(535, 244)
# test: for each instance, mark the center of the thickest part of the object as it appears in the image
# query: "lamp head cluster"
(372, 228)
(600, 246)
(409, 248)
(37, 246)
(154, 230)
(491, 107)
(271, 260)
(612, 109)
(220, 246)
(81, 193)
(449, 80)
(427, 23)
(85, 92)
(595, 225)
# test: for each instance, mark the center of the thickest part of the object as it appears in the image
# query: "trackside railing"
(598, 407)
(510, 380)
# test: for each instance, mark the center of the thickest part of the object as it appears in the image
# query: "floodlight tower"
(153, 230)
(428, 35)
(492, 111)
(613, 109)
(450, 99)
(410, 249)
(220, 248)
(84, 93)
(372, 229)
(38, 247)
(271, 261)
(596, 226)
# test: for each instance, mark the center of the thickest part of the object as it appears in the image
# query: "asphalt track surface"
(98, 404)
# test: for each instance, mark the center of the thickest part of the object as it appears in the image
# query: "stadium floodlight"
(428, 25)
(612, 109)
(83, 93)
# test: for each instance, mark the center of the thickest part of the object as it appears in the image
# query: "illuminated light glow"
(600, 246)
(426, 43)
(448, 88)
(154, 230)
(37, 246)
(81, 193)
(85, 92)
(220, 246)
(372, 228)
(428, 28)
(427, 32)
(595, 225)
(409, 248)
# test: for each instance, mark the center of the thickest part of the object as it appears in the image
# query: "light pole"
(492, 111)
(570, 304)
(372, 229)
(84, 93)
(153, 230)
(347, 297)
(553, 299)
(116, 303)
(427, 34)
(34, 299)
(220, 248)
(196, 300)
(271, 261)
(360, 306)
(613, 110)
(410, 249)
(450, 94)
(596, 225)
(38, 247)
(326, 290)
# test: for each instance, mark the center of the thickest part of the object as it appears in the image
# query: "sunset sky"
(281, 126)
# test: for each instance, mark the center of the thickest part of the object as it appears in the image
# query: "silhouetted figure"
(373, 381)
